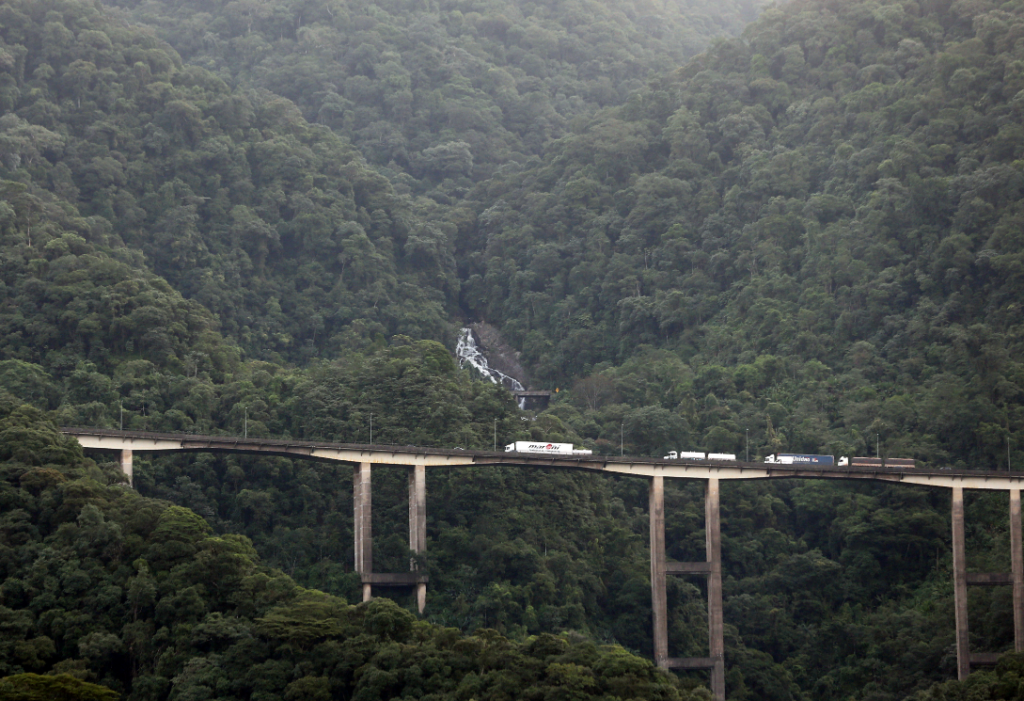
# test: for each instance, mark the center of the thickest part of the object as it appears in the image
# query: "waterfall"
(467, 351)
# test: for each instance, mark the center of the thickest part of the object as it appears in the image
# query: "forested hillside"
(443, 94)
(279, 229)
(274, 225)
(811, 233)
(808, 233)
(127, 597)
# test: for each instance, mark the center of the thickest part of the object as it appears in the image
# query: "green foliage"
(809, 235)
(311, 619)
(25, 438)
(273, 224)
(100, 601)
(61, 687)
(414, 392)
(828, 587)
(806, 233)
(442, 96)
(1002, 683)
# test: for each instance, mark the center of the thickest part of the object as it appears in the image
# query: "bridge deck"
(106, 439)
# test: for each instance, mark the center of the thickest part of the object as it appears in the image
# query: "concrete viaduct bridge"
(417, 460)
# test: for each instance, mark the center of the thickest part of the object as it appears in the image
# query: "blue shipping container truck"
(798, 459)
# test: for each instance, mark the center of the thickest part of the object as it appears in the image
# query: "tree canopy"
(122, 596)
(272, 217)
(807, 233)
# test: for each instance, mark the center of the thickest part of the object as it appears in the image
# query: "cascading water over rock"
(467, 351)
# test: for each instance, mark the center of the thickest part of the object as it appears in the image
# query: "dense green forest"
(810, 233)
(277, 214)
(443, 94)
(274, 225)
(128, 597)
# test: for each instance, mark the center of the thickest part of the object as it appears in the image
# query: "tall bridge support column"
(1017, 571)
(659, 597)
(963, 644)
(712, 569)
(716, 625)
(363, 524)
(126, 465)
(418, 525)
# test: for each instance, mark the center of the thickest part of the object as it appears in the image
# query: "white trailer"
(800, 459)
(684, 455)
(542, 448)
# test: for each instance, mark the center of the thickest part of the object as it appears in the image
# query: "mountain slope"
(819, 221)
(103, 585)
(443, 94)
(808, 233)
(274, 225)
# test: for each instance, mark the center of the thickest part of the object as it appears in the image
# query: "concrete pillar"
(362, 526)
(418, 524)
(716, 631)
(963, 643)
(126, 465)
(357, 511)
(1017, 570)
(659, 597)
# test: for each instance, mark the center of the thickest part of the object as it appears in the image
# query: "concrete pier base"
(363, 524)
(126, 465)
(418, 525)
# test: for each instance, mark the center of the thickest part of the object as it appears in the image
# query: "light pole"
(495, 448)
(371, 429)
(120, 406)
(748, 445)
(878, 453)
(622, 438)
(245, 424)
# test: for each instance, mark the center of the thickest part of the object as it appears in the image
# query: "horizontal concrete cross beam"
(690, 663)
(672, 567)
(397, 579)
(989, 578)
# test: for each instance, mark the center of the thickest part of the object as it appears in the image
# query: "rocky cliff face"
(500, 361)
(500, 355)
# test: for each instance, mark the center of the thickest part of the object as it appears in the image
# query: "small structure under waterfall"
(533, 400)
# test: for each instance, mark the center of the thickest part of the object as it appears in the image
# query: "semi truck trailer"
(544, 448)
(799, 459)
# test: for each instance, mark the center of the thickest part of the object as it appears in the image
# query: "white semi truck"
(543, 448)
(800, 459)
(688, 455)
